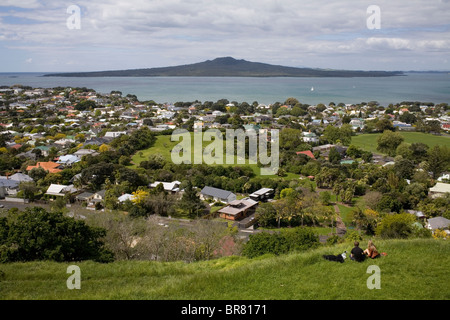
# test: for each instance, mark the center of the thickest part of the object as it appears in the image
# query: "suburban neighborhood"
(70, 148)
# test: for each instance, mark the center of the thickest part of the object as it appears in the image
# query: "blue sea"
(422, 87)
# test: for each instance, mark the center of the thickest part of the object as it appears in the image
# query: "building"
(310, 137)
(84, 152)
(262, 194)
(85, 197)
(51, 167)
(68, 160)
(238, 209)
(217, 194)
(439, 190)
(125, 197)
(172, 187)
(307, 153)
(60, 190)
(114, 134)
(438, 223)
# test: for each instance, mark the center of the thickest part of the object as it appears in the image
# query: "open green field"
(164, 146)
(413, 269)
(368, 141)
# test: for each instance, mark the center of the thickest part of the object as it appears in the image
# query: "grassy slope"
(368, 142)
(413, 269)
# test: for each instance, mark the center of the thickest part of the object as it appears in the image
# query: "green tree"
(190, 203)
(388, 142)
(36, 234)
(396, 226)
(266, 215)
(334, 156)
(438, 160)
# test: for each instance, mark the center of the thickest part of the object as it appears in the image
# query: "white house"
(310, 137)
(114, 134)
(125, 197)
(172, 187)
(60, 190)
(439, 189)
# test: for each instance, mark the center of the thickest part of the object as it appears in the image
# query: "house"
(85, 197)
(217, 194)
(20, 177)
(84, 152)
(238, 209)
(323, 148)
(68, 160)
(443, 177)
(172, 187)
(418, 214)
(99, 196)
(60, 190)
(50, 166)
(438, 223)
(310, 137)
(439, 190)
(8, 187)
(357, 124)
(262, 194)
(44, 150)
(114, 134)
(125, 197)
(307, 153)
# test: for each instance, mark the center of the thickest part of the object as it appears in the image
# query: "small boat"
(312, 88)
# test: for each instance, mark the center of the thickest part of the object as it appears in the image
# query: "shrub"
(396, 226)
(36, 234)
(295, 239)
(353, 236)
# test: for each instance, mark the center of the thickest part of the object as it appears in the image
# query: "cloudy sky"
(43, 35)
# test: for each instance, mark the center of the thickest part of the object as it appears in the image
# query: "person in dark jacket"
(357, 253)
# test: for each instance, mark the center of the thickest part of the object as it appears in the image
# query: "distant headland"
(229, 67)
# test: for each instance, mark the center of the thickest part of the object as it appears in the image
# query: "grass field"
(368, 142)
(412, 269)
(164, 146)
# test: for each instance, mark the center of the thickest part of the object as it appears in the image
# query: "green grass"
(368, 142)
(344, 211)
(163, 145)
(412, 269)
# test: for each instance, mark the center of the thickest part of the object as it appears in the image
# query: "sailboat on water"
(312, 89)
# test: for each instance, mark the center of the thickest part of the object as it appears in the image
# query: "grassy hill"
(368, 142)
(412, 269)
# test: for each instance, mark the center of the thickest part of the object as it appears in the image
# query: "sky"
(97, 35)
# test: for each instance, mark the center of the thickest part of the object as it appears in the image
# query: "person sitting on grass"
(371, 250)
(357, 254)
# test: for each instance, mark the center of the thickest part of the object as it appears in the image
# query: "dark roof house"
(217, 194)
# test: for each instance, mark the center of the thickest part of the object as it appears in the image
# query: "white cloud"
(27, 4)
(169, 32)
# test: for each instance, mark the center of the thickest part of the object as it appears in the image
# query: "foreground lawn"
(368, 142)
(412, 269)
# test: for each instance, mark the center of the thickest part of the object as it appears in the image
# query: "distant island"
(229, 67)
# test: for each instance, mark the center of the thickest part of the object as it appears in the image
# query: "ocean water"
(423, 87)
